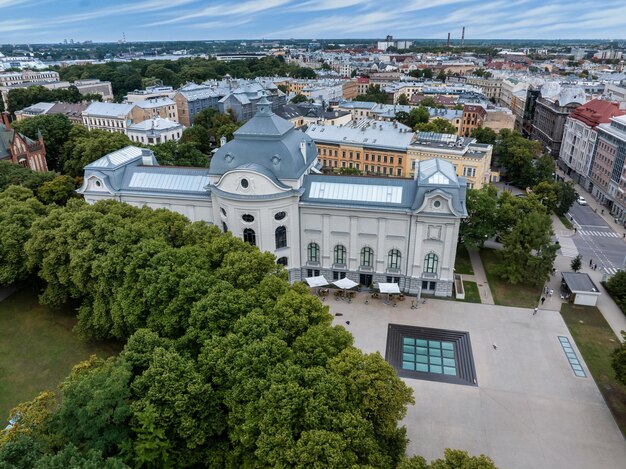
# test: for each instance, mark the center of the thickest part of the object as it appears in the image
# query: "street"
(595, 239)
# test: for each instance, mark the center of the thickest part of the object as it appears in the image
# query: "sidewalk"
(611, 312)
(480, 277)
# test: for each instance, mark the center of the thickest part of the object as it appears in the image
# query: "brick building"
(19, 149)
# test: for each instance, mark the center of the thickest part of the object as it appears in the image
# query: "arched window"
(281, 237)
(340, 254)
(367, 257)
(313, 252)
(282, 261)
(431, 262)
(393, 259)
(249, 236)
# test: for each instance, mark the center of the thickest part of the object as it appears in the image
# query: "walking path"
(480, 277)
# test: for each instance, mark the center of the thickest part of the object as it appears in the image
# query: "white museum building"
(264, 186)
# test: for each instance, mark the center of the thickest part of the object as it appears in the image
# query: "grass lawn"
(565, 221)
(595, 340)
(505, 294)
(463, 264)
(472, 295)
(37, 349)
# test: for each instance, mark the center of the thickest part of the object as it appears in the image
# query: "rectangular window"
(399, 160)
(385, 159)
(350, 154)
(343, 154)
(312, 273)
(399, 171)
(338, 275)
(391, 159)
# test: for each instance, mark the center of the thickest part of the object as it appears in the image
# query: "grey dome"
(269, 141)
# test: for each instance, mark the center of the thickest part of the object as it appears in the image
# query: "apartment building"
(491, 87)
(553, 106)
(608, 175)
(192, 98)
(368, 146)
(27, 76)
(152, 108)
(580, 137)
(149, 93)
(155, 131)
(111, 117)
(469, 158)
(103, 88)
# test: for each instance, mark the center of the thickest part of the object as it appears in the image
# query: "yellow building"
(470, 159)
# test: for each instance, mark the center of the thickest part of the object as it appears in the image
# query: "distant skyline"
(37, 21)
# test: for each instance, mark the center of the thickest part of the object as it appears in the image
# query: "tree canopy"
(439, 125)
(374, 94)
(19, 98)
(226, 363)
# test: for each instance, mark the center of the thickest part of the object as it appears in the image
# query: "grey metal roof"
(269, 141)
(356, 192)
(155, 102)
(580, 282)
(117, 158)
(371, 134)
(165, 179)
(108, 109)
(437, 171)
(158, 123)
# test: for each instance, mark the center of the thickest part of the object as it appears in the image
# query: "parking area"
(529, 408)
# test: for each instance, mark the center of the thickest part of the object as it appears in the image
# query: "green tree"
(86, 146)
(482, 216)
(453, 459)
(205, 118)
(403, 100)
(374, 94)
(179, 154)
(546, 194)
(566, 196)
(58, 190)
(16, 175)
(299, 98)
(417, 73)
(484, 135)
(19, 209)
(441, 76)
(618, 360)
(71, 456)
(427, 73)
(439, 125)
(430, 102)
(197, 136)
(55, 130)
(94, 409)
(528, 254)
(616, 286)
(577, 263)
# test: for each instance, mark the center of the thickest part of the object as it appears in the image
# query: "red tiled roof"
(596, 112)
(362, 80)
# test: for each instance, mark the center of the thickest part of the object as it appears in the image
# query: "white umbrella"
(315, 282)
(345, 283)
(389, 288)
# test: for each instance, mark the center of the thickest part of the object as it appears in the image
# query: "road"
(595, 240)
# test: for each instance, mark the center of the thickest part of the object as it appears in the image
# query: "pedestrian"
(495, 347)
(602, 211)
(575, 230)
(550, 292)
(535, 311)
(590, 262)
(595, 266)
(543, 299)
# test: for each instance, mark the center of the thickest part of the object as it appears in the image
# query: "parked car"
(582, 201)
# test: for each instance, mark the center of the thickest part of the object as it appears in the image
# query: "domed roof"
(550, 90)
(269, 141)
(571, 94)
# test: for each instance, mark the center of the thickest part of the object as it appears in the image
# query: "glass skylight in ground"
(428, 356)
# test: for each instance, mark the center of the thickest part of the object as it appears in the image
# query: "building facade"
(551, 110)
(111, 117)
(21, 150)
(155, 131)
(580, 136)
(151, 108)
(263, 186)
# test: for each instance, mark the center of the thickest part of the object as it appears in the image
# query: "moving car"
(582, 201)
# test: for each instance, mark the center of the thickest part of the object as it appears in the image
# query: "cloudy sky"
(54, 20)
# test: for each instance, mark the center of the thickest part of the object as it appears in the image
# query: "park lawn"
(38, 349)
(472, 295)
(504, 293)
(463, 264)
(595, 340)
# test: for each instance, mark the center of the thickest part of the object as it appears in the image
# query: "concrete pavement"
(480, 277)
(528, 410)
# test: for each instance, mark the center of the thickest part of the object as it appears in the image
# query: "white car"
(582, 201)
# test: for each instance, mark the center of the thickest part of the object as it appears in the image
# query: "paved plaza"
(529, 410)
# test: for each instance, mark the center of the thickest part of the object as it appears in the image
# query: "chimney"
(448, 39)
(463, 37)
(303, 149)
(5, 120)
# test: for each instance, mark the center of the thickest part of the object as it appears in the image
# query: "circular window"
(223, 211)
(437, 204)
(280, 215)
(98, 183)
(247, 217)
(244, 183)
